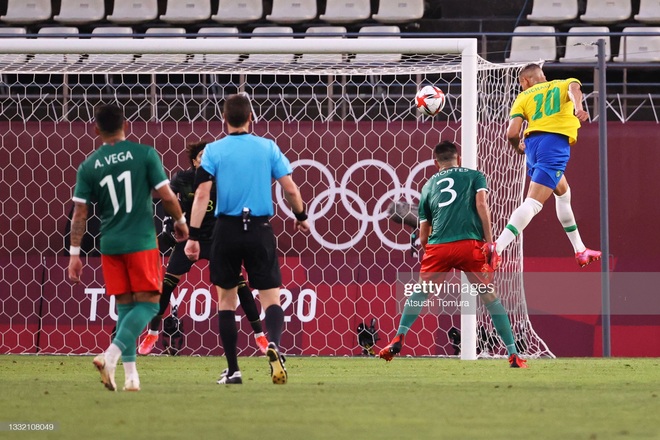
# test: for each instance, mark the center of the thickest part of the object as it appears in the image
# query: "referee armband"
(201, 176)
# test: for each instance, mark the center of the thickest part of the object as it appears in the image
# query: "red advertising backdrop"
(327, 292)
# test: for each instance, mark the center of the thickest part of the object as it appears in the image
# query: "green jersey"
(120, 178)
(448, 201)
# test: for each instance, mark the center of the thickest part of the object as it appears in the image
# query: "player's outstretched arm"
(513, 134)
(294, 199)
(483, 209)
(78, 226)
(172, 208)
(575, 95)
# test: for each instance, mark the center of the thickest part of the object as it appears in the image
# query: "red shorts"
(464, 255)
(136, 272)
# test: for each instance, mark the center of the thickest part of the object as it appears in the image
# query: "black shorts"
(179, 264)
(255, 249)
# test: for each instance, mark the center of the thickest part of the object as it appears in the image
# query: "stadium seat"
(344, 11)
(187, 11)
(533, 48)
(292, 11)
(649, 11)
(553, 11)
(217, 58)
(399, 11)
(366, 32)
(607, 11)
(56, 58)
(111, 58)
(134, 11)
(81, 11)
(12, 58)
(27, 11)
(239, 11)
(582, 48)
(639, 49)
(271, 58)
(173, 32)
(313, 32)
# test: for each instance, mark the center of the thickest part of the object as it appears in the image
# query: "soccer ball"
(430, 100)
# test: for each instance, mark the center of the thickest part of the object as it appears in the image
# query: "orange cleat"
(587, 256)
(147, 344)
(516, 362)
(262, 343)
(392, 349)
(493, 259)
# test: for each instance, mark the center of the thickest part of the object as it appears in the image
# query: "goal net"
(342, 111)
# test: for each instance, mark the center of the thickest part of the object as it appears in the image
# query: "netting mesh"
(357, 145)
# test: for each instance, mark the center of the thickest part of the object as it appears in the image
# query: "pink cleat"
(493, 259)
(262, 343)
(587, 256)
(147, 344)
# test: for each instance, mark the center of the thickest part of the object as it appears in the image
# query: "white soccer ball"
(430, 100)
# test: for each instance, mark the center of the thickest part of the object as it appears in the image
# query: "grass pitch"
(336, 398)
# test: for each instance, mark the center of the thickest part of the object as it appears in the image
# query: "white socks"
(152, 332)
(112, 355)
(567, 220)
(518, 221)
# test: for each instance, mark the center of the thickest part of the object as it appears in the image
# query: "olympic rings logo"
(321, 204)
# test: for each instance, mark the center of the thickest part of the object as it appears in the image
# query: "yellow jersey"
(546, 107)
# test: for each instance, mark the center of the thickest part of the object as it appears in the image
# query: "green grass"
(337, 398)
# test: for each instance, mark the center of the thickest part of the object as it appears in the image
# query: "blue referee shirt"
(243, 166)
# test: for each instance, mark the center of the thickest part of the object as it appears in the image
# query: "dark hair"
(529, 69)
(237, 110)
(109, 118)
(445, 151)
(193, 149)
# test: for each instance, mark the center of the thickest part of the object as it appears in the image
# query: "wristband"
(301, 216)
(181, 221)
(193, 233)
(74, 250)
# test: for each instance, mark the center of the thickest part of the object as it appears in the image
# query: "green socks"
(132, 318)
(502, 324)
(411, 310)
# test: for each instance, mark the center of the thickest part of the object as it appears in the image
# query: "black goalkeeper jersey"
(183, 184)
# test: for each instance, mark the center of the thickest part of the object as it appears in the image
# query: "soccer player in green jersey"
(119, 177)
(455, 224)
(553, 111)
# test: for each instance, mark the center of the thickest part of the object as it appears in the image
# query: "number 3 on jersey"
(128, 195)
(447, 189)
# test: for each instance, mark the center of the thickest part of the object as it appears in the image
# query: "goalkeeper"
(179, 264)
(454, 225)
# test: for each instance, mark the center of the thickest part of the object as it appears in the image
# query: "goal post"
(344, 117)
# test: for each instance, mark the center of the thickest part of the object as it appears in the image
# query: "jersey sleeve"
(82, 193)
(517, 109)
(423, 210)
(280, 165)
(207, 163)
(480, 183)
(155, 172)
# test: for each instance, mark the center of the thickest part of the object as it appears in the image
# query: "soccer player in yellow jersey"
(553, 111)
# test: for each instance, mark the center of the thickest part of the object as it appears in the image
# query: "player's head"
(194, 151)
(237, 110)
(531, 75)
(109, 119)
(446, 154)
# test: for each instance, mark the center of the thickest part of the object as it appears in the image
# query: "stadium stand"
(368, 32)
(134, 11)
(649, 12)
(47, 59)
(639, 48)
(553, 11)
(263, 32)
(27, 12)
(188, 11)
(173, 32)
(533, 48)
(290, 12)
(342, 11)
(313, 32)
(115, 58)
(607, 11)
(220, 32)
(80, 12)
(239, 11)
(581, 48)
(12, 58)
(399, 11)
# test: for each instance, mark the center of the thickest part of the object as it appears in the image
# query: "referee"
(243, 166)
